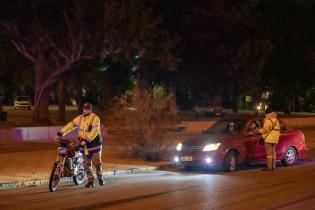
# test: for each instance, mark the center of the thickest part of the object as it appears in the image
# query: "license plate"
(186, 158)
(62, 150)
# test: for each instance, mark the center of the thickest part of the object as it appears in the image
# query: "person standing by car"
(88, 125)
(270, 133)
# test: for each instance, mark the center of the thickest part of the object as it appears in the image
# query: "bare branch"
(67, 21)
(61, 70)
(53, 44)
(18, 43)
(22, 49)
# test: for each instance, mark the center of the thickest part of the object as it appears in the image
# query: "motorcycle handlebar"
(67, 143)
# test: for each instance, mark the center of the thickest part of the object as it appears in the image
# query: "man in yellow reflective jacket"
(270, 133)
(88, 125)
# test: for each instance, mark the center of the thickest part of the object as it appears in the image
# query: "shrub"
(143, 123)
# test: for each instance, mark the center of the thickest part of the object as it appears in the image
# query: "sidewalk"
(24, 162)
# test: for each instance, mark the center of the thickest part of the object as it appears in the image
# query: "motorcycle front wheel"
(55, 176)
(80, 176)
(79, 179)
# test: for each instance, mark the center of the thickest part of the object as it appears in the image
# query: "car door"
(285, 140)
(255, 151)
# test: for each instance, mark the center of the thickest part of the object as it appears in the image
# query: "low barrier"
(37, 133)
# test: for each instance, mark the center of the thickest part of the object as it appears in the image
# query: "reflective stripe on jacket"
(271, 130)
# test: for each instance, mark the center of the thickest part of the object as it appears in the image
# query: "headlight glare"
(211, 147)
(179, 147)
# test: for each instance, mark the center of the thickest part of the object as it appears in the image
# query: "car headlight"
(179, 147)
(211, 147)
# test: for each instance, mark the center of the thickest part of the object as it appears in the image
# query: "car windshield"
(231, 127)
(22, 98)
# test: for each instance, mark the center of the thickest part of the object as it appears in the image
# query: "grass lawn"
(24, 117)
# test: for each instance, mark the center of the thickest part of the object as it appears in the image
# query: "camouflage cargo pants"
(96, 160)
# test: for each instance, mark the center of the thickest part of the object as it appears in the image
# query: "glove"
(82, 141)
(58, 136)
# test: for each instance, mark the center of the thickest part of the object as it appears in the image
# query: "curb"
(36, 182)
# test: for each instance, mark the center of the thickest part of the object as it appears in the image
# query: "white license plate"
(186, 158)
(62, 150)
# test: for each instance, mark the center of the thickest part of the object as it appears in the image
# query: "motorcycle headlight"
(179, 147)
(211, 147)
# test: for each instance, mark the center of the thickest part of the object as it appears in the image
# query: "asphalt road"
(248, 188)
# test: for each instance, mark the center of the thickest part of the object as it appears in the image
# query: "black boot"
(101, 181)
(90, 184)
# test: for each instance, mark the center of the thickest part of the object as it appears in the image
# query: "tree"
(55, 36)
(224, 50)
(135, 34)
(290, 68)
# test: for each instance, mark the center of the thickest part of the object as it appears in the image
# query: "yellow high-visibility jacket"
(88, 129)
(271, 130)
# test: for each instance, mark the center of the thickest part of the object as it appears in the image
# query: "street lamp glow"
(179, 147)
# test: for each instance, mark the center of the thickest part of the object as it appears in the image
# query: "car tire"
(230, 162)
(290, 157)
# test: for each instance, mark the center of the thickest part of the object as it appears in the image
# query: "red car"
(232, 141)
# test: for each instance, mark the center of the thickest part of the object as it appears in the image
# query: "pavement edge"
(35, 182)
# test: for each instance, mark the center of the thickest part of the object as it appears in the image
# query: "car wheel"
(230, 162)
(289, 157)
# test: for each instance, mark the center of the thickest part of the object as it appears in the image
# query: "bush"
(143, 122)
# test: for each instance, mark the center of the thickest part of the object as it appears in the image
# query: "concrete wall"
(37, 133)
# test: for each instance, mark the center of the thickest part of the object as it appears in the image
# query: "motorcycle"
(69, 163)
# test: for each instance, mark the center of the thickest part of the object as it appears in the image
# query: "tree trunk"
(79, 97)
(41, 100)
(41, 113)
(62, 101)
(287, 109)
